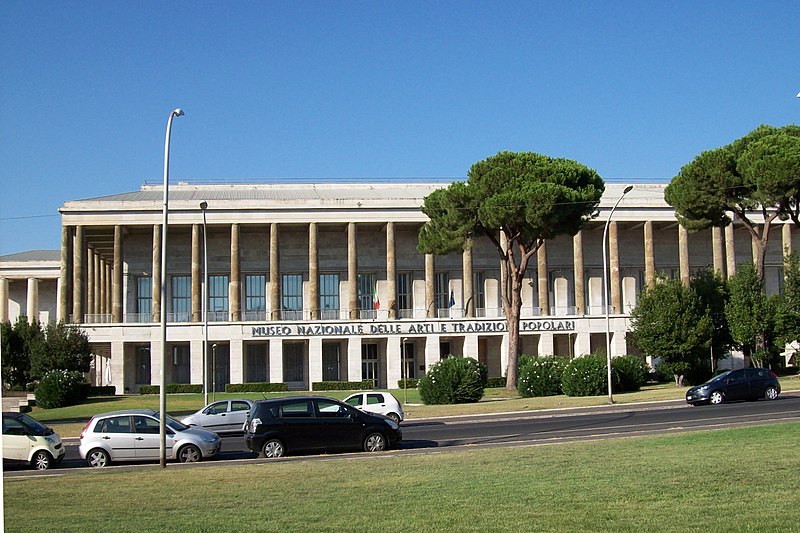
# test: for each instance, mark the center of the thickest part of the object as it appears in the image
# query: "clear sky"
(345, 89)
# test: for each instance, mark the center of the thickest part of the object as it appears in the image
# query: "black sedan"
(741, 384)
(287, 425)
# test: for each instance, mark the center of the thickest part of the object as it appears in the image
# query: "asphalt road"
(524, 428)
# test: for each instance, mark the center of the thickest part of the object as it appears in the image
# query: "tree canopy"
(758, 174)
(526, 197)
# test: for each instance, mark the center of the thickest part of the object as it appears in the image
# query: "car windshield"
(173, 424)
(36, 427)
(719, 377)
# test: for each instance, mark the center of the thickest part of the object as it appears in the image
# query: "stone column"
(235, 287)
(3, 300)
(103, 287)
(542, 285)
(156, 273)
(683, 255)
(649, 255)
(65, 275)
(716, 245)
(786, 234)
(90, 282)
(613, 259)
(274, 277)
(77, 275)
(577, 272)
(116, 285)
(313, 272)
(197, 298)
(503, 274)
(469, 291)
(430, 293)
(33, 300)
(109, 286)
(391, 271)
(352, 270)
(730, 251)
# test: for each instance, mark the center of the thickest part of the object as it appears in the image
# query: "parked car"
(134, 435)
(741, 384)
(314, 423)
(381, 403)
(28, 441)
(225, 416)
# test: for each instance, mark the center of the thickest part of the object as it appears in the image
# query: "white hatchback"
(224, 416)
(381, 403)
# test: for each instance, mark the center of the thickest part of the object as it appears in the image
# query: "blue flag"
(452, 298)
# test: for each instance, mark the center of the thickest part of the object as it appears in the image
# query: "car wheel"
(189, 454)
(716, 398)
(273, 449)
(42, 460)
(771, 393)
(375, 442)
(98, 458)
(395, 417)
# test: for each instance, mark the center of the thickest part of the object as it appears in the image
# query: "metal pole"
(213, 371)
(606, 294)
(404, 372)
(162, 392)
(204, 206)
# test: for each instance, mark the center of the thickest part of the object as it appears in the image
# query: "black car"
(742, 384)
(313, 423)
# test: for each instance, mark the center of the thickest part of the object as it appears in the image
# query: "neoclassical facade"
(323, 282)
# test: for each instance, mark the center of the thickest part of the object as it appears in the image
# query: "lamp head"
(628, 189)
(178, 112)
(203, 205)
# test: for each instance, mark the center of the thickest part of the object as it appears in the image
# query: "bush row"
(257, 387)
(586, 375)
(60, 388)
(172, 388)
(453, 380)
(342, 385)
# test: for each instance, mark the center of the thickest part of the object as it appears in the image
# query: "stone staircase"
(18, 403)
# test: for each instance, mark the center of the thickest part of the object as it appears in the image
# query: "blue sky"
(342, 89)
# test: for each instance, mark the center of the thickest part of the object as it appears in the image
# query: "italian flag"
(375, 301)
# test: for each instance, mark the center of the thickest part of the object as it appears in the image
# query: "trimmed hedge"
(410, 383)
(585, 376)
(61, 388)
(109, 390)
(343, 385)
(540, 376)
(495, 383)
(257, 387)
(172, 388)
(453, 380)
(628, 373)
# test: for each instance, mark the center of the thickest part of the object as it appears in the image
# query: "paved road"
(529, 428)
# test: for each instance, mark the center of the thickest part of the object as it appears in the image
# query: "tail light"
(773, 374)
(86, 427)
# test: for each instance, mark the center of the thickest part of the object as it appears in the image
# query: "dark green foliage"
(172, 388)
(63, 347)
(256, 387)
(452, 380)
(107, 390)
(628, 373)
(751, 315)
(495, 383)
(787, 315)
(671, 322)
(586, 375)
(410, 383)
(540, 376)
(61, 388)
(343, 385)
(17, 342)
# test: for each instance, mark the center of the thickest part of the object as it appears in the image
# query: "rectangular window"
(218, 298)
(330, 362)
(255, 296)
(442, 290)
(405, 300)
(479, 289)
(369, 362)
(293, 362)
(329, 296)
(142, 365)
(181, 364)
(144, 298)
(292, 297)
(366, 291)
(181, 298)
(257, 363)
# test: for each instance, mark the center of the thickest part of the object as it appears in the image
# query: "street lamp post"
(213, 370)
(404, 371)
(162, 393)
(606, 294)
(203, 207)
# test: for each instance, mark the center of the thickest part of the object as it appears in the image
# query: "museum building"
(310, 282)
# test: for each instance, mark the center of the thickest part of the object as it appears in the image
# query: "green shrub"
(628, 373)
(172, 388)
(585, 376)
(452, 380)
(257, 387)
(108, 390)
(61, 388)
(495, 383)
(410, 383)
(540, 376)
(343, 385)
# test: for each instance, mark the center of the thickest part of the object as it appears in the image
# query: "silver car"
(224, 416)
(134, 435)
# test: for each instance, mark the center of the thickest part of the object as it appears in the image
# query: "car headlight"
(212, 438)
(392, 424)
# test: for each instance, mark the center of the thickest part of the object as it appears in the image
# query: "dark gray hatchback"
(741, 384)
(314, 423)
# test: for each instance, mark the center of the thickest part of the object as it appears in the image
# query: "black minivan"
(741, 384)
(315, 423)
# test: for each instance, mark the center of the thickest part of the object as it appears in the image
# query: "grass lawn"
(69, 421)
(725, 480)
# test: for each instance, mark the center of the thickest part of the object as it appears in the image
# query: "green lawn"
(68, 421)
(725, 480)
